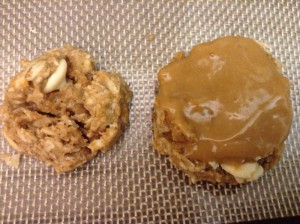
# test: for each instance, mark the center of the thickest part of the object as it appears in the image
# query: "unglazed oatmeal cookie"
(223, 112)
(63, 111)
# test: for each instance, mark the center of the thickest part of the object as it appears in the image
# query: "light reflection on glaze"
(203, 112)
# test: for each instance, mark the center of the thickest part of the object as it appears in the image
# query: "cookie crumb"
(150, 37)
(11, 160)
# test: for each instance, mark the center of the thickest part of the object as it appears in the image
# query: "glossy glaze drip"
(229, 98)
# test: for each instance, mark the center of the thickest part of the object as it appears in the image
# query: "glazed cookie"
(61, 110)
(223, 112)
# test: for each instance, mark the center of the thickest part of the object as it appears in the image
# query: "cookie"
(223, 112)
(60, 109)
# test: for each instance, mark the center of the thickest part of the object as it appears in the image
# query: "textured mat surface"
(132, 183)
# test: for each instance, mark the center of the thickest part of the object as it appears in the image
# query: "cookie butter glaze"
(230, 100)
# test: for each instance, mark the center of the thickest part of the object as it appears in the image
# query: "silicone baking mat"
(132, 183)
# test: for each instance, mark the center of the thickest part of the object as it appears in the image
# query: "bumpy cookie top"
(61, 110)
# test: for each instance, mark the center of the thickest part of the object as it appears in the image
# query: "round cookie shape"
(61, 110)
(223, 112)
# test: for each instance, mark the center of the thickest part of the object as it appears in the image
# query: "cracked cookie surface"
(61, 110)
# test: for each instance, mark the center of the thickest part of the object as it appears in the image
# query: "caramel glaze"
(230, 100)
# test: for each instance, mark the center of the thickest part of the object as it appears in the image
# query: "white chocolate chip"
(258, 158)
(58, 79)
(214, 165)
(244, 172)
